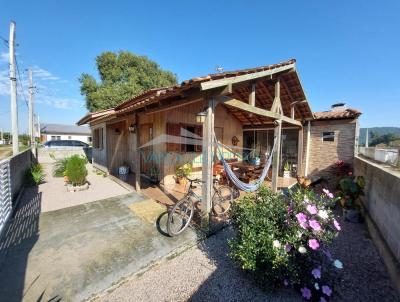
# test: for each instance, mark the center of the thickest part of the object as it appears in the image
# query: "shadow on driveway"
(21, 235)
(73, 253)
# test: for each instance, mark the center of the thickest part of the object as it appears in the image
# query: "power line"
(20, 81)
(5, 42)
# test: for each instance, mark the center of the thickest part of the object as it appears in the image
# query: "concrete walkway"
(73, 253)
(54, 195)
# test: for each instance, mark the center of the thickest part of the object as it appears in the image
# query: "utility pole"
(366, 138)
(13, 83)
(30, 109)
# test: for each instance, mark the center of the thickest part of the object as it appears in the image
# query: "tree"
(123, 75)
(385, 139)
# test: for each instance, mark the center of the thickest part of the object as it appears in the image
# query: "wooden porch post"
(307, 148)
(137, 156)
(300, 153)
(207, 164)
(277, 107)
(276, 156)
(252, 95)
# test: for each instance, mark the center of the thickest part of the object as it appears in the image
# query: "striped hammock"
(247, 187)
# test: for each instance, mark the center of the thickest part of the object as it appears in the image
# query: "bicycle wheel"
(222, 199)
(180, 216)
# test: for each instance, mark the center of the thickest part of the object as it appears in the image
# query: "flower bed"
(285, 240)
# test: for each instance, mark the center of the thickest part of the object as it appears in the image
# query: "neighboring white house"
(65, 132)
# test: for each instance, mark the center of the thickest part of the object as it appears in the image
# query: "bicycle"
(182, 213)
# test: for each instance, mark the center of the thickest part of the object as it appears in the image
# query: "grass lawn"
(6, 150)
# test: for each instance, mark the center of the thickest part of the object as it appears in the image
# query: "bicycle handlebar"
(195, 180)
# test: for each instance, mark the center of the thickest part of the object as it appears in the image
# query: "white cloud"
(43, 74)
(4, 57)
(4, 83)
(56, 102)
(48, 89)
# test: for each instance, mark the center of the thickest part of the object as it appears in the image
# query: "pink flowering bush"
(284, 240)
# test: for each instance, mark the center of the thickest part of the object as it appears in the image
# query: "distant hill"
(378, 130)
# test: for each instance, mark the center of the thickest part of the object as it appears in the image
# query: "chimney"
(338, 107)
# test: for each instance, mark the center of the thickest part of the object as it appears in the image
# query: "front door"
(146, 152)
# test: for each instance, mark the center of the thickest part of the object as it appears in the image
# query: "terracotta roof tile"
(342, 114)
(156, 94)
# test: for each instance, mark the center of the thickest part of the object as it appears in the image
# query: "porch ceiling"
(291, 91)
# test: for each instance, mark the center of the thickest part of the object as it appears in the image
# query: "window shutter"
(173, 130)
(199, 131)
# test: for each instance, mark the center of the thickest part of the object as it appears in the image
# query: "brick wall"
(324, 154)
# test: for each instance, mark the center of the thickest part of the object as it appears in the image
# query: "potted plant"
(351, 188)
(286, 170)
(254, 156)
(66, 180)
(76, 173)
(154, 175)
(182, 172)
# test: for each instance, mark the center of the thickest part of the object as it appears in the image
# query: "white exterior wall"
(82, 138)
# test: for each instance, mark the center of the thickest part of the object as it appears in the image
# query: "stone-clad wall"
(324, 154)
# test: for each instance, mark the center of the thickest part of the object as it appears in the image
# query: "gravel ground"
(364, 276)
(205, 273)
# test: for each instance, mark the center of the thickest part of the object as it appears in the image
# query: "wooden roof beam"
(246, 77)
(293, 102)
(255, 110)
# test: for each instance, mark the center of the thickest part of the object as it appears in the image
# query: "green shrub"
(183, 171)
(35, 174)
(60, 166)
(282, 240)
(76, 170)
(350, 190)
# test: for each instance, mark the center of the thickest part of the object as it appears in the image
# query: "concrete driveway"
(72, 253)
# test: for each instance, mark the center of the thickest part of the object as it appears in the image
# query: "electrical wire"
(20, 82)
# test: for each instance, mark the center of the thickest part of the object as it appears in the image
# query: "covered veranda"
(266, 101)
(270, 98)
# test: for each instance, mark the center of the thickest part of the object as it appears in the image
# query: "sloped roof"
(64, 129)
(291, 88)
(339, 114)
(93, 115)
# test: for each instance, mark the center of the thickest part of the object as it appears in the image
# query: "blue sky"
(345, 50)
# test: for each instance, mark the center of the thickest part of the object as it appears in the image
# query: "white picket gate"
(5, 193)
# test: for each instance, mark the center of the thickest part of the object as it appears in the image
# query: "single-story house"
(163, 128)
(65, 132)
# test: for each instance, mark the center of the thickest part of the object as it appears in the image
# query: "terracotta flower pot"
(182, 181)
